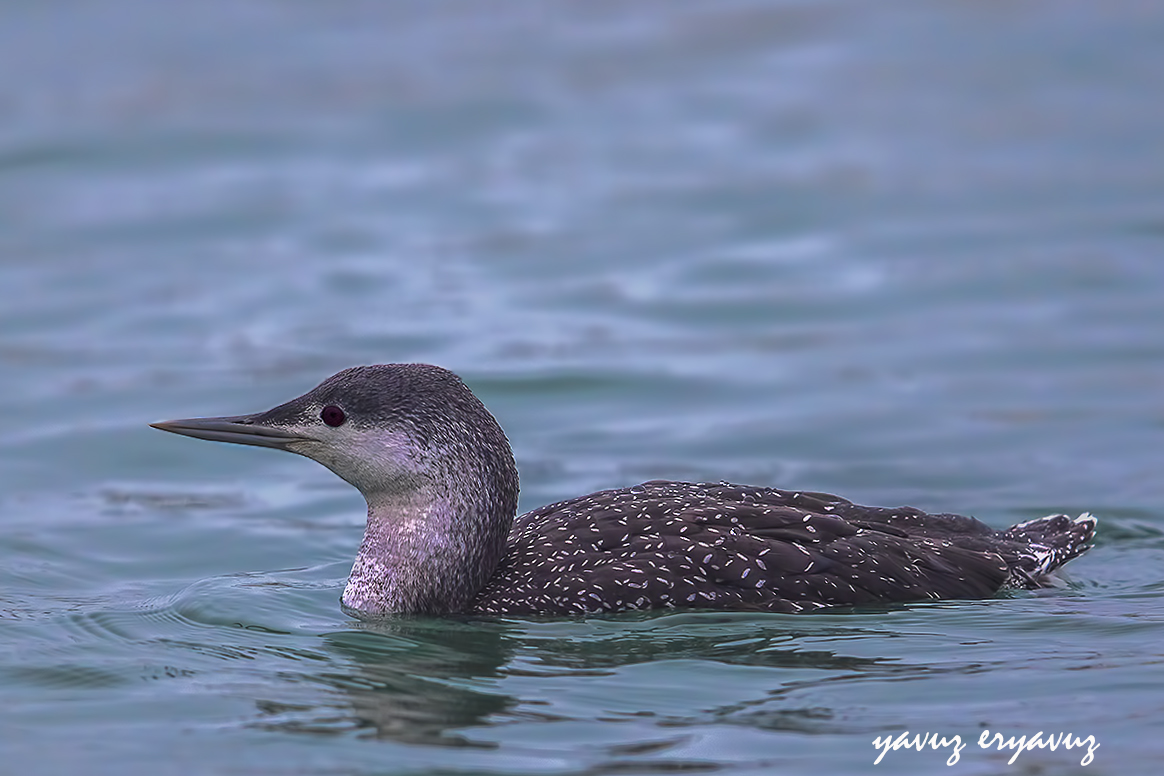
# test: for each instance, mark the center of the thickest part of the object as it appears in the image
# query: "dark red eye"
(332, 415)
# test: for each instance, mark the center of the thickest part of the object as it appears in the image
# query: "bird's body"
(441, 487)
(723, 546)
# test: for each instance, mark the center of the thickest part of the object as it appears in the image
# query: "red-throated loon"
(441, 485)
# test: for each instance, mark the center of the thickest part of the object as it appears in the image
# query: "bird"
(442, 536)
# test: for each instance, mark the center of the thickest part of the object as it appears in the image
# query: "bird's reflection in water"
(413, 680)
(435, 681)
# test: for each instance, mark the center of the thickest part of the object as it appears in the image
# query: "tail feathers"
(1045, 544)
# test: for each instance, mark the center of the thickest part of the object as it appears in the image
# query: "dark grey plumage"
(441, 485)
(723, 546)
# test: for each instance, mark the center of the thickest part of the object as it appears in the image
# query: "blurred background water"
(907, 252)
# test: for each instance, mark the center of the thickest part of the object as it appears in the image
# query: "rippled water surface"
(906, 252)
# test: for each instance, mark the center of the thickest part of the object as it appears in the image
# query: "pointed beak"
(238, 429)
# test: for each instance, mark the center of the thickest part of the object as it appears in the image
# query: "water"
(908, 253)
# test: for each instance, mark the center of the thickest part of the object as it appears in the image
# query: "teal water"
(909, 253)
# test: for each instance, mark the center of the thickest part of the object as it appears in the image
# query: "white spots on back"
(665, 544)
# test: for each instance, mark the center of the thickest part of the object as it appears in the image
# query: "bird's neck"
(426, 552)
